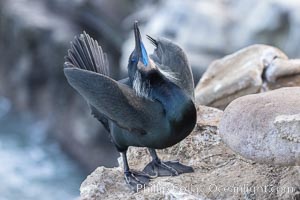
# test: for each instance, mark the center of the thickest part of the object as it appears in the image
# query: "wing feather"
(86, 69)
(117, 101)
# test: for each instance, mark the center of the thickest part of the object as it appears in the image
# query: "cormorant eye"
(133, 59)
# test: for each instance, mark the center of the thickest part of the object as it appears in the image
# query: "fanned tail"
(86, 54)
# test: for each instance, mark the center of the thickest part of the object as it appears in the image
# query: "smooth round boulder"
(265, 127)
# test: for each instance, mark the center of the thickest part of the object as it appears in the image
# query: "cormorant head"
(144, 70)
(139, 59)
(140, 65)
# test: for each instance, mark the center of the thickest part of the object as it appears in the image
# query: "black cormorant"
(153, 107)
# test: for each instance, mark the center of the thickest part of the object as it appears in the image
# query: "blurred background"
(49, 142)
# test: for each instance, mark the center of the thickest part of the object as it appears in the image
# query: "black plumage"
(151, 108)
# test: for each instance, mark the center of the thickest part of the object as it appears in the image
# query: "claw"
(170, 168)
(136, 180)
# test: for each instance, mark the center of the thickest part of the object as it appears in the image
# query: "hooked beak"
(140, 50)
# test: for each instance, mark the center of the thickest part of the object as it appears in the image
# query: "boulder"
(254, 69)
(219, 172)
(265, 127)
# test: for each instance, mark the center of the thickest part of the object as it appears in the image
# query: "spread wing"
(173, 62)
(87, 72)
(102, 118)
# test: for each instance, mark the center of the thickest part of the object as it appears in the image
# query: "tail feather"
(85, 53)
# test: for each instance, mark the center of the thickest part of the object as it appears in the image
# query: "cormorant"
(153, 107)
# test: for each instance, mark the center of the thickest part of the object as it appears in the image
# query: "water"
(32, 166)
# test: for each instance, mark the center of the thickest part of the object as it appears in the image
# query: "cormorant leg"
(136, 180)
(170, 168)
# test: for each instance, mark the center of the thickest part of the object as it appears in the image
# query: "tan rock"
(265, 127)
(250, 70)
(283, 73)
(288, 127)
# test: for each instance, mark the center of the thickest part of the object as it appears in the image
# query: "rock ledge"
(219, 172)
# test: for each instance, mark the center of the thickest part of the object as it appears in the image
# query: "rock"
(219, 172)
(265, 127)
(235, 75)
(285, 81)
(288, 127)
(283, 73)
(281, 68)
(250, 70)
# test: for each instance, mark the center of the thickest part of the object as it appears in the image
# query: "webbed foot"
(136, 180)
(170, 168)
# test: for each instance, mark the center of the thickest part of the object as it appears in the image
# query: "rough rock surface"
(288, 127)
(250, 70)
(219, 172)
(265, 127)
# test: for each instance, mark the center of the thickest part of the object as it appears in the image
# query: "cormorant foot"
(170, 168)
(136, 180)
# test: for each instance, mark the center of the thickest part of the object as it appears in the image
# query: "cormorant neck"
(155, 86)
(173, 98)
(141, 85)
